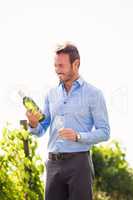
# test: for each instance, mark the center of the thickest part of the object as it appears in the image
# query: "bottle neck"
(21, 94)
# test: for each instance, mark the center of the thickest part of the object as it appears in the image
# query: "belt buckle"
(59, 156)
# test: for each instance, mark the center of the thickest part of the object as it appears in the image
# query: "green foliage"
(100, 195)
(20, 175)
(113, 175)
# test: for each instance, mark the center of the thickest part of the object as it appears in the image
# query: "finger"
(28, 114)
(61, 130)
(34, 115)
(63, 135)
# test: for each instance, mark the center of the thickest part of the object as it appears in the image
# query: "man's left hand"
(68, 134)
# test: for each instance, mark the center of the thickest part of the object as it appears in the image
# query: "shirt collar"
(80, 81)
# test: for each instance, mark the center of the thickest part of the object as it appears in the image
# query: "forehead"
(62, 58)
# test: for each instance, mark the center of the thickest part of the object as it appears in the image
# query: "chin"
(61, 78)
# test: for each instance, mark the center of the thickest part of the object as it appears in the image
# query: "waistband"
(63, 156)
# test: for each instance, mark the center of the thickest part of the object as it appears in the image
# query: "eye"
(58, 66)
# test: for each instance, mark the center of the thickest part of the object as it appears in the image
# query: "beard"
(65, 77)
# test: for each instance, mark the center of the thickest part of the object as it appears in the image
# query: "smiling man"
(77, 115)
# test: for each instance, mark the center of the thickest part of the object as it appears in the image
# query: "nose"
(57, 69)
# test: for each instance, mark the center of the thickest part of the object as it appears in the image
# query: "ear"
(76, 64)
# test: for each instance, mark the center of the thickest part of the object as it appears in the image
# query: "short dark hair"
(69, 49)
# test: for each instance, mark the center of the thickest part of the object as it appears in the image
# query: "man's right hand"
(33, 118)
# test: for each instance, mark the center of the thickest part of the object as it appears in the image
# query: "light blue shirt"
(83, 109)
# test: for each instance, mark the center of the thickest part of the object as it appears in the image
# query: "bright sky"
(103, 32)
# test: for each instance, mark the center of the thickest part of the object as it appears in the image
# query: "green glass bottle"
(30, 105)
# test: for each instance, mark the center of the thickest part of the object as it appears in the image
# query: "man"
(77, 116)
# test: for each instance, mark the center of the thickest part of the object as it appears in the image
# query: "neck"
(68, 84)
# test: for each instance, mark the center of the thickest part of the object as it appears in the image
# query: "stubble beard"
(68, 78)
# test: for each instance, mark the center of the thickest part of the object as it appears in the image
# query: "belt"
(63, 156)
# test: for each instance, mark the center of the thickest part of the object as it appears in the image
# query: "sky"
(103, 33)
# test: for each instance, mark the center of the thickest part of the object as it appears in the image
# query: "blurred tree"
(112, 173)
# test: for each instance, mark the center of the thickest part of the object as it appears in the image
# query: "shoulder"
(92, 93)
(91, 89)
(52, 93)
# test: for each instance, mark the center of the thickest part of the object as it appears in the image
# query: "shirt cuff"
(35, 131)
(84, 137)
(93, 137)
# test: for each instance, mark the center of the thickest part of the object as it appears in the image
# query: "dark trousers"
(69, 179)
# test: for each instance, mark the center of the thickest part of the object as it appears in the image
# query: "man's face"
(63, 67)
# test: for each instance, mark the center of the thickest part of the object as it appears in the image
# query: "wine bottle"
(30, 105)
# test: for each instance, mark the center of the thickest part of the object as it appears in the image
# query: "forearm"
(94, 137)
(41, 128)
